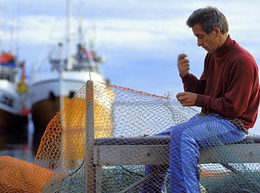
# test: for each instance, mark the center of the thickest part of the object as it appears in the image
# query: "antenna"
(1, 20)
(80, 33)
(68, 64)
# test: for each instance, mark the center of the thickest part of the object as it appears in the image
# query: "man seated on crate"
(227, 92)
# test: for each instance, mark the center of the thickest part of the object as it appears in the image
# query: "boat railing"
(77, 65)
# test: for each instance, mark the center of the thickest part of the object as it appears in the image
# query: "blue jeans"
(185, 141)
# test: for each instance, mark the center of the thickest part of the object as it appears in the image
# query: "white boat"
(12, 103)
(66, 75)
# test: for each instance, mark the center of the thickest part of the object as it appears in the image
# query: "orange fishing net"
(102, 139)
(19, 176)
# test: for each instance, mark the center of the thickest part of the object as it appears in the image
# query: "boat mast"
(80, 33)
(1, 20)
(60, 80)
(68, 64)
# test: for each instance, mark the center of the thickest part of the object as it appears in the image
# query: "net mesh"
(104, 137)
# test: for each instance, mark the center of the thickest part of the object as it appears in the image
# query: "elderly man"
(227, 92)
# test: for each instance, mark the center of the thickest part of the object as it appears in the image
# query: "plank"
(142, 151)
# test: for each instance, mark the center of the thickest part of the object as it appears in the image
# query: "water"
(18, 144)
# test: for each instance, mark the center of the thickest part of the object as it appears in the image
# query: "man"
(227, 92)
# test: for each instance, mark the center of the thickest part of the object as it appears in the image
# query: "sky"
(139, 39)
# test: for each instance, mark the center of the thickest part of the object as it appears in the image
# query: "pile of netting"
(102, 139)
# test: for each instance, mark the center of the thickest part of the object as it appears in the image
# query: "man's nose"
(199, 42)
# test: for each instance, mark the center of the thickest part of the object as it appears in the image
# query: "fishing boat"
(50, 91)
(13, 111)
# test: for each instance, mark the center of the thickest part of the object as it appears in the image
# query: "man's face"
(208, 41)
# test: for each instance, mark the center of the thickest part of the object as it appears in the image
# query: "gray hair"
(208, 18)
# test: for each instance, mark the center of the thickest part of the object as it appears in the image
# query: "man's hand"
(187, 98)
(183, 65)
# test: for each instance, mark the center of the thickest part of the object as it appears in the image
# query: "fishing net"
(104, 138)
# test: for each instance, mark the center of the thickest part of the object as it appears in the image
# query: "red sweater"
(229, 84)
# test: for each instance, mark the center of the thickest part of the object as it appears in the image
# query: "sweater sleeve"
(192, 84)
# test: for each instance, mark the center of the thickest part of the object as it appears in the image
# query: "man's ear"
(217, 31)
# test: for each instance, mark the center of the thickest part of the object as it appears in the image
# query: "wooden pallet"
(125, 151)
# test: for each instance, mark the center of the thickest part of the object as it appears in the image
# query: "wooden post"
(89, 138)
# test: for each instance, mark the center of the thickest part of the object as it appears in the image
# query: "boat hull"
(9, 98)
(42, 112)
(6, 120)
(44, 96)
(12, 122)
(13, 129)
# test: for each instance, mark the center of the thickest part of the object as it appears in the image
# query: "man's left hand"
(187, 98)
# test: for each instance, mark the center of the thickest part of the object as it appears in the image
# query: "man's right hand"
(183, 65)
